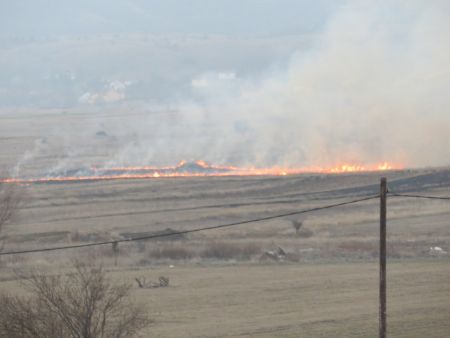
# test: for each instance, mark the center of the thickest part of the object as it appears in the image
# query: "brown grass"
(224, 250)
(298, 300)
(175, 252)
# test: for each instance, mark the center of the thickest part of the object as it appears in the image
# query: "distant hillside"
(64, 72)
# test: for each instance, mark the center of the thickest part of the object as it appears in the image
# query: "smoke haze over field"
(362, 82)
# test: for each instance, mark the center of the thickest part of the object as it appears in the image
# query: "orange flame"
(205, 169)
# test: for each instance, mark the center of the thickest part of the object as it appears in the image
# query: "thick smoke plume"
(373, 88)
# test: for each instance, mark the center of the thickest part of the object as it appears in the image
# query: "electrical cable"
(183, 232)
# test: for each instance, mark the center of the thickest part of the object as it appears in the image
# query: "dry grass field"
(324, 300)
(293, 300)
(222, 283)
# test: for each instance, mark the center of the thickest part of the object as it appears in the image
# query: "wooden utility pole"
(382, 310)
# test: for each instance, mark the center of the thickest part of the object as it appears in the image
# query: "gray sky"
(248, 17)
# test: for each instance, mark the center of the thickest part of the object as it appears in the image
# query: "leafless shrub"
(171, 252)
(21, 317)
(213, 250)
(297, 221)
(84, 304)
(368, 248)
(297, 225)
(224, 250)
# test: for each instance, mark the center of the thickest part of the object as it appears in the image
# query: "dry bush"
(21, 317)
(82, 304)
(213, 250)
(369, 248)
(171, 252)
(297, 224)
(224, 250)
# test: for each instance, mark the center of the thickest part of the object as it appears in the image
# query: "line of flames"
(161, 172)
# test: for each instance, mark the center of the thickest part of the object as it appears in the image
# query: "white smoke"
(28, 157)
(373, 88)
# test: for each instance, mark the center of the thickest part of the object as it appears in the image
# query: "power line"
(419, 196)
(140, 238)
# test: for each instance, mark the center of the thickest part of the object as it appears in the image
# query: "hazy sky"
(253, 17)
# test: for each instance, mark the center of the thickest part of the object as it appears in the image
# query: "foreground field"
(324, 300)
(292, 300)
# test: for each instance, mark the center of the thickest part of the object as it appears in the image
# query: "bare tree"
(297, 222)
(82, 304)
(297, 225)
